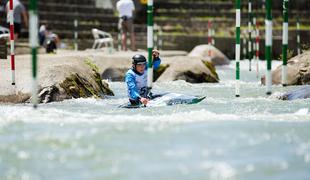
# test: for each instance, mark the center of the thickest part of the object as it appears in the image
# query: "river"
(223, 137)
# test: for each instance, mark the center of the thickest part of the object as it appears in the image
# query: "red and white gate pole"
(11, 15)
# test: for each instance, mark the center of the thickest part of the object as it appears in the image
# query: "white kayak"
(167, 99)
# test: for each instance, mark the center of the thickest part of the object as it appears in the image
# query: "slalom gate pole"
(209, 36)
(12, 42)
(244, 47)
(268, 46)
(284, 42)
(250, 23)
(119, 38)
(33, 42)
(257, 48)
(150, 43)
(76, 35)
(160, 39)
(237, 53)
(155, 36)
(298, 36)
(213, 37)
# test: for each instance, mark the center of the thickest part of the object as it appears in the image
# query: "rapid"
(254, 136)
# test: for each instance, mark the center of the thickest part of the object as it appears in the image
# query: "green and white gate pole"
(268, 46)
(33, 43)
(160, 39)
(76, 35)
(244, 50)
(213, 37)
(250, 23)
(119, 37)
(150, 43)
(257, 47)
(237, 53)
(298, 36)
(209, 36)
(12, 44)
(155, 36)
(285, 42)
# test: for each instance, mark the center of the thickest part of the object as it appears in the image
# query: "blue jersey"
(137, 83)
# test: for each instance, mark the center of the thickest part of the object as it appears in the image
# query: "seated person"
(136, 78)
(48, 39)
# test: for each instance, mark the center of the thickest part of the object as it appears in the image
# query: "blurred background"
(181, 24)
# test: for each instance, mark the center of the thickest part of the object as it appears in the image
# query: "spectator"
(48, 39)
(42, 34)
(19, 12)
(125, 9)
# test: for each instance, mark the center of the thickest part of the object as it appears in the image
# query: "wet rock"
(114, 74)
(48, 94)
(300, 93)
(79, 79)
(215, 56)
(158, 72)
(191, 70)
(298, 71)
(118, 74)
(83, 84)
(15, 98)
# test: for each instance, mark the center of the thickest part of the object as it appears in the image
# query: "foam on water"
(254, 136)
(51, 113)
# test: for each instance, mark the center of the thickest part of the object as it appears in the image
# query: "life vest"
(141, 82)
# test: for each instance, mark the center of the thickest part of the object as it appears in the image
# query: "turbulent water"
(223, 137)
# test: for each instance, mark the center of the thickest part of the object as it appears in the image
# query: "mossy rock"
(80, 82)
(104, 86)
(159, 71)
(211, 67)
(76, 86)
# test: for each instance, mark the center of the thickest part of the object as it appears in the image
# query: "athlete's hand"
(155, 53)
(144, 101)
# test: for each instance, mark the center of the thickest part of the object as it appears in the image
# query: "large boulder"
(189, 69)
(300, 93)
(114, 74)
(77, 79)
(209, 52)
(118, 74)
(298, 71)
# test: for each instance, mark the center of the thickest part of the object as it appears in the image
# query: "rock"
(48, 94)
(191, 70)
(300, 93)
(76, 79)
(65, 75)
(86, 83)
(77, 82)
(158, 72)
(15, 98)
(114, 74)
(298, 71)
(216, 57)
(118, 74)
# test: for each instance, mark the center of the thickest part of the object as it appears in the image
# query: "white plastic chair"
(4, 32)
(102, 37)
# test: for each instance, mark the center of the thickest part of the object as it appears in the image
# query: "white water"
(223, 137)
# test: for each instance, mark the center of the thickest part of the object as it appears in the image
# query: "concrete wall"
(227, 45)
(105, 4)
